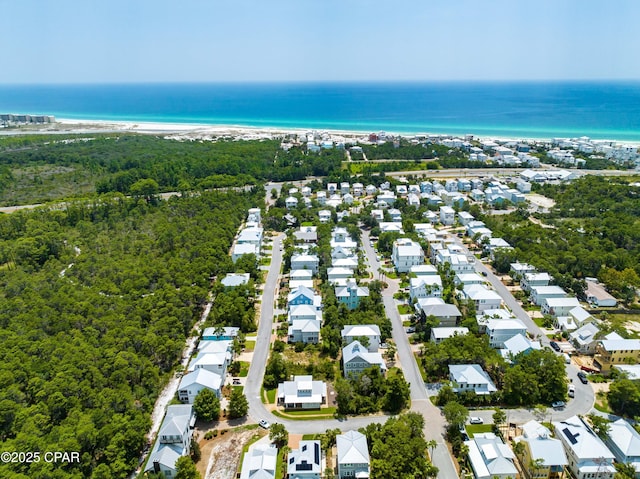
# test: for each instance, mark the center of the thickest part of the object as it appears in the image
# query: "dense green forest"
(96, 301)
(593, 231)
(37, 169)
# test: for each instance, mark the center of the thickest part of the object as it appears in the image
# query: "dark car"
(554, 345)
(583, 377)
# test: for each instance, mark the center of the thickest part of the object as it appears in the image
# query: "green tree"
(146, 188)
(499, 418)
(600, 425)
(238, 404)
(455, 414)
(186, 469)
(624, 397)
(397, 396)
(278, 434)
(206, 405)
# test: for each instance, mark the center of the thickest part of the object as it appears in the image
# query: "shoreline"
(209, 130)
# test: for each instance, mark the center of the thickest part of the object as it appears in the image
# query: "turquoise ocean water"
(529, 110)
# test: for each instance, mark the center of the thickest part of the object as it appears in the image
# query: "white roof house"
(304, 312)
(466, 279)
(470, 377)
(447, 314)
(302, 393)
(304, 331)
(501, 330)
(217, 333)
(540, 293)
(491, 458)
(305, 462)
(351, 332)
(324, 216)
(194, 382)
(349, 263)
(260, 462)
(291, 202)
(631, 371)
(356, 358)
(440, 334)
(531, 279)
(213, 362)
(599, 296)
(588, 456)
(423, 270)
(518, 270)
(624, 442)
(351, 294)
(427, 286)
(173, 440)
(305, 261)
(559, 306)
(232, 280)
(482, 297)
(240, 249)
(539, 445)
(353, 455)
(406, 253)
(584, 338)
(518, 344)
(334, 275)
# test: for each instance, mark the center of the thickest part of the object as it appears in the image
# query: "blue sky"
(85, 41)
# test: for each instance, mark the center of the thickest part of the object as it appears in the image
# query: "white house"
(356, 358)
(583, 338)
(350, 333)
(324, 216)
(240, 249)
(465, 218)
(596, 294)
(467, 279)
(501, 330)
(306, 234)
(447, 215)
(540, 293)
(217, 333)
(588, 456)
(532, 279)
(305, 261)
(428, 286)
(194, 382)
(339, 275)
(518, 270)
(482, 297)
(440, 334)
(423, 270)
(291, 202)
(213, 362)
(173, 440)
(470, 377)
(306, 312)
(518, 344)
(302, 393)
(259, 462)
(232, 280)
(304, 331)
(559, 306)
(305, 462)
(406, 253)
(349, 263)
(491, 458)
(300, 277)
(386, 197)
(353, 455)
(624, 442)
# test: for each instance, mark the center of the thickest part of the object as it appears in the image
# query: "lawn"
(312, 437)
(271, 395)
(244, 369)
(311, 415)
(249, 346)
(420, 367)
(404, 309)
(478, 428)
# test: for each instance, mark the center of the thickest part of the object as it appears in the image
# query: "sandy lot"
(221, 456)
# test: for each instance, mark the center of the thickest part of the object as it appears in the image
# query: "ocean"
(601, 110)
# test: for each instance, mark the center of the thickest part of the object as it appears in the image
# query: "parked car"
(558, 404)
(411, 330)
(583, 377)
(554, 345)
(264, 424)
(475, 420)
(483, 273)
(572, 391)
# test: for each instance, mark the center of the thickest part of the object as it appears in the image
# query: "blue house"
(220, 334)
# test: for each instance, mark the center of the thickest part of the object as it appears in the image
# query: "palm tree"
(431, 445)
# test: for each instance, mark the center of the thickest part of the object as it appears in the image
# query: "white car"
(264, 424)
(475, 420)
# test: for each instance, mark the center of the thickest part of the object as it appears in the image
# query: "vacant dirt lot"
(221, 456)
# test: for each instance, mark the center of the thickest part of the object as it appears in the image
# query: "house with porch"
(624, 442)
(352, 455)
(259, 462)
(470, 377)
(194, 382)
(173, 440)
(351, 294)
(542, 455)
(305, 462)
(490, 457)
(356, 358)
(302, 393)
(304, 331)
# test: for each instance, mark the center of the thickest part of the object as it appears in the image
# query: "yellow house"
(540, 455)
(616, 350)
